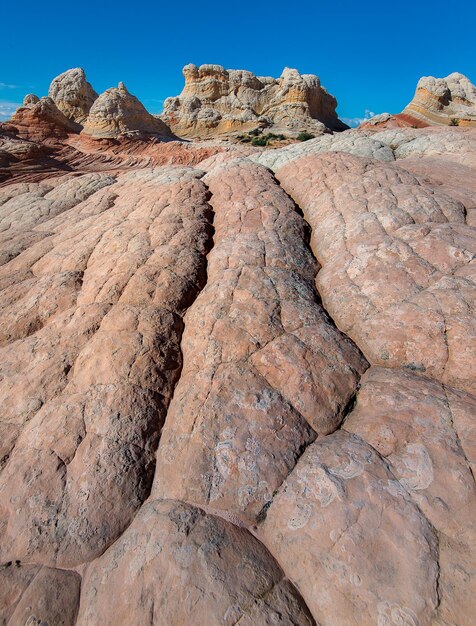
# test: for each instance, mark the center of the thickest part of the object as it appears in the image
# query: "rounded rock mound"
(72, 94)
(118, 112)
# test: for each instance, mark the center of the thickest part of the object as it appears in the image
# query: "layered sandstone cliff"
(441, 100)
(40, 118)
(217, 101)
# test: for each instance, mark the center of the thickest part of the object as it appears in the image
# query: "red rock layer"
(31, 160)
(400, 120)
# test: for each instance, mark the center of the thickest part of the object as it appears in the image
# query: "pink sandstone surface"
(237, 385)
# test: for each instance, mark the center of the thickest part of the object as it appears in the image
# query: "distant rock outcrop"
(30, 99)
(72, 94)
(449, 101)
(117, 112)
(40, 119)
(440, 100)
(72, 105)
(217, 101)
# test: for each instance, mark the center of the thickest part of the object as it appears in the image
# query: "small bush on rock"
(259, 141)
(304, 136)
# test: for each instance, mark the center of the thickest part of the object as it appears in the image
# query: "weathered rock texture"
(72, 94)
(117, 112)
(425, 432)
(96, 341)
(399, 256)
(216, 101)
(341, 505)
(226, 576)
(237, 386)
(437, 101)
(32, 594)
(40, 119)
(249, 399)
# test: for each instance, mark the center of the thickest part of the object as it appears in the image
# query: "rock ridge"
(217, 101)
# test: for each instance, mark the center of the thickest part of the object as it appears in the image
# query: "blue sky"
(369, 55)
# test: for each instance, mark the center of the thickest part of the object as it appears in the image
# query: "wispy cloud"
(8, 86)
(7, 109)
(355, 121)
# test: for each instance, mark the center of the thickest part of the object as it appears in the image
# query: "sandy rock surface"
(224, 574)
(117, 112)
(237, 385)
(397, 263)
(255, 340)
(72, 94)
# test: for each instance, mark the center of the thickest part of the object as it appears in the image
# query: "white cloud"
(7, 86)
(355, 121)
(7, 109)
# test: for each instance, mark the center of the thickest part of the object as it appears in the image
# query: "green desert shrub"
(305, 136)
(454, 121)
(259, 141)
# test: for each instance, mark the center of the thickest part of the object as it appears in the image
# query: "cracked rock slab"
(250, 398)
(398, 263)
(419, 426)
(91, 356)
(351, 539)
(177, 565)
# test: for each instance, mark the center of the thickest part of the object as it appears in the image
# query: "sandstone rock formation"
(14, 149)
(437, 101)
(237, 385)
(30, 98)
(216, 101)
(31, 594)
(226, 575)
(72, 94)
(433, 458)
(72, 105)
(257, 339)
(40, 119)
(117, 112)
(341, 504)
(403, 263)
